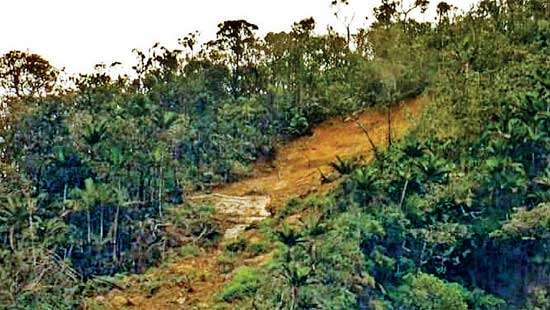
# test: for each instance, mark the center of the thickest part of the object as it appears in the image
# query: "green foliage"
(244, 284)
(454, 216)
(539, 299)
(93, 179)
(344, 166)
(189, 250)
(237, 245)
(533, 224)
(257, 248)
(424, 291)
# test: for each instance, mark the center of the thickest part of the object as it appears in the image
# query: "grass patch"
(246, 282)
(189, 250)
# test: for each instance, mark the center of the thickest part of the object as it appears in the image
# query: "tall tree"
(443, 9)
(24, 74)
(234, 39)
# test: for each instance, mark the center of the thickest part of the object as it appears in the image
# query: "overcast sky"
(76, 34)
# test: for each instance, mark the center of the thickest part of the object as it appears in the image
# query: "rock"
(235, 231)
(181, 300)
(241, 211)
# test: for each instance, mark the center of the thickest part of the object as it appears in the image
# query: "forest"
(96, 169)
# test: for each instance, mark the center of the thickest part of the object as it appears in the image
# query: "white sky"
(76, 34)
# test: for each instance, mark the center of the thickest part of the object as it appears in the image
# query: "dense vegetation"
(95, 170)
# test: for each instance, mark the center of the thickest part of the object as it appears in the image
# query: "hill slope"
(194, 282)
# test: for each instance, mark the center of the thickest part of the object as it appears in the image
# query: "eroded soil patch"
(295, 173)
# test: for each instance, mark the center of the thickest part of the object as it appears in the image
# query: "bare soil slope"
(295, 172)
(192, 283)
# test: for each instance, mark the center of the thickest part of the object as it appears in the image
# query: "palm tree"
(164, 120)
(94, 133)
(121, 200)
(15, 214)
(367, 183)
(289, 236)
(296, 277)
(92, 195)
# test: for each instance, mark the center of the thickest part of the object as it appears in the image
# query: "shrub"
(427, 292)
(244, 284)
(238, 245)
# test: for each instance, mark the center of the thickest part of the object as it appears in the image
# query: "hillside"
(294, 173)
(404, 165)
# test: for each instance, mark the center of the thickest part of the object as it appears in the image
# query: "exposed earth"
(193, 282)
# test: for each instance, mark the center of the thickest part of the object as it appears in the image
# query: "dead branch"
(373, 146)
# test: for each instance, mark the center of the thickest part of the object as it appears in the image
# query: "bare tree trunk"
(374, 148)
(160, 192)
(32, 238)
(115, 232)
(403, 193)
(389, 126)
(101, 215)
(64, 195)
(12, 238)
(89, 220)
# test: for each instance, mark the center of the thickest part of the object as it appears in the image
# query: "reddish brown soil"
(295, 172)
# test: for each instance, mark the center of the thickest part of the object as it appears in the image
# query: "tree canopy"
(96, 173)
